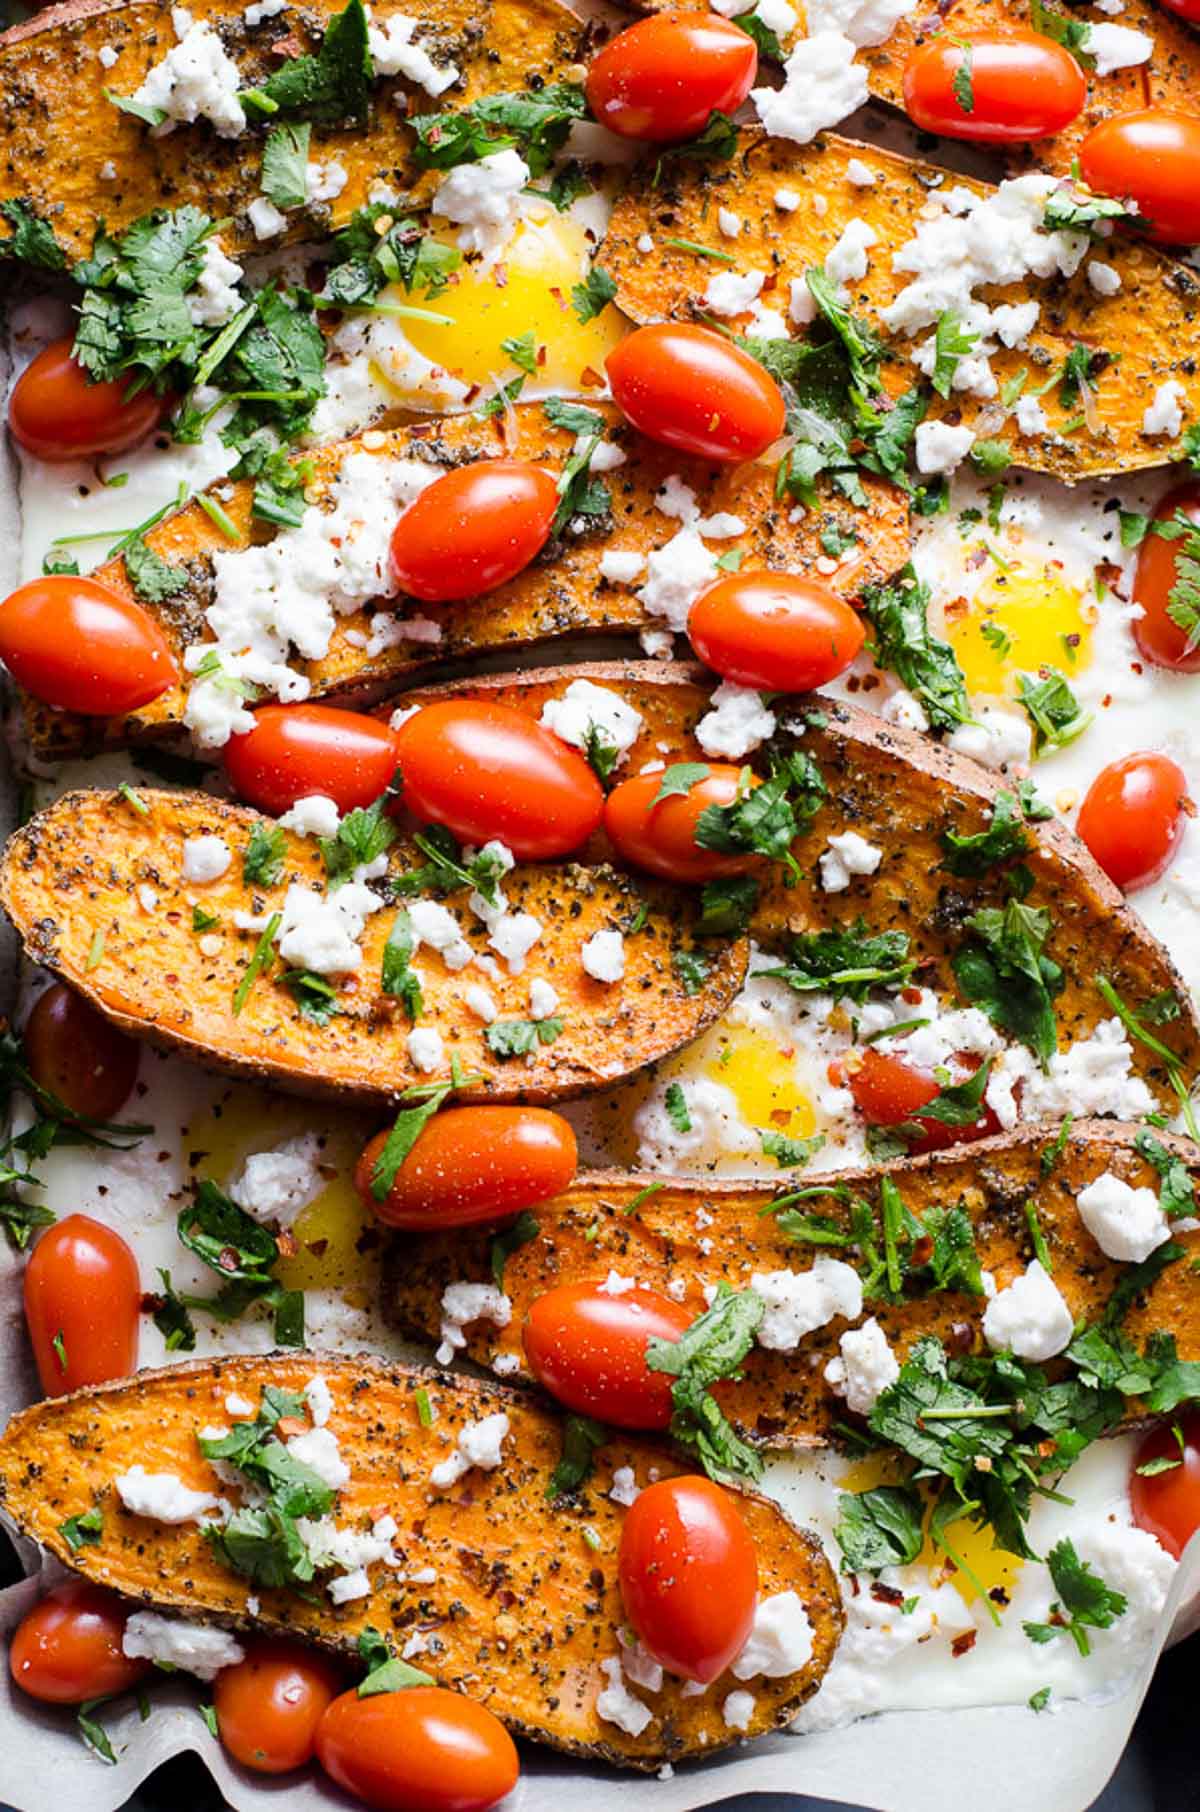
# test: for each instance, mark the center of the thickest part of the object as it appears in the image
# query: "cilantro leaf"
(1003, 969)
(31, 239)
(675, 1102)
(1052, 709)
(315, 995)
(333, 85)
(398, 979)
(692, 970)
(526, 1227)
(591, 297)
(265, 856)
(712, 1348)
(362, 837)
(1005, 838)
(727, 906)
(518, 1037)
(285, 165)
(1177, 1195)
(153, 578)
(765, 819)
(963, 84)
(898, 613)
(1087, 1603)
(679, 779)
(716, 144)
(878, 1529)
(417, 1106)
(84, 1530)
(847, 962)
(581, 1437)
(790, 1153)
(385, 1672)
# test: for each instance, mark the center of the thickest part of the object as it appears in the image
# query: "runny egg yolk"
(984, 1568)
(527, 292)
(762, 1080)
(1019, 621)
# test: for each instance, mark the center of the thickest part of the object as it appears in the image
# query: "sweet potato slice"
(903, 792)
(524, 1606)
(559, 595)
(1149, 328)
(59, 130)
(96, 889)
(697, 1231)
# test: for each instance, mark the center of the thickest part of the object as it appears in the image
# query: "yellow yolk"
(762, 1080)
(528, 291)
(991, 1567)
(1018, 621)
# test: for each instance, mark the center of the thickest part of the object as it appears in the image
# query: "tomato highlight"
(78, 646)
(473, 1164)
(297, 751)
(694, 390)
(1133, 817)
(660, 79)
(588, 1349)
(473, 530)
(1151, 159)
(782, 632)
(82, 1305)
(268, 1707)
(688, 1575)
(68, 1647)
(993, 88)
(57, 413)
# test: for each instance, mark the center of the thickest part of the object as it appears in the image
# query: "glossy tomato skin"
(1183, 9)
(296, 751)
(889, 1091)
(73, 1051)
(421, 1750)
(662, 838)
(74, 644)
(1153, 159)
(588, 1349)
(781, 632)
(1133, 817)
(82, 1283)
(56, 413)
(1167, 1504)
(693, 390)
(68, 1647)
(661, 78)
(1024, 86)
(269, 1705)
(473, 530)
(689, 1575)
(473, 1164)
(1161, 641)
(486, 770)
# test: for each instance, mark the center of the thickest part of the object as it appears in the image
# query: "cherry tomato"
(473, 1164)
(473, 530)
(694, 390)
(78, 646)
(269, 1705)
(1160, 640)
(888, 1091)
(689, 1575)
(1183, 9)
(1133, 817)
(82, 1300)
(661, 78)
(68, 1647)
(662, 838)
(1151, 158)
(1022, 86)
(295, 751)
(420, 1750)
(73, 1051)
(1167, 1504)
(486, 770)
(778, 631)
(58, 414)
(588, 1349)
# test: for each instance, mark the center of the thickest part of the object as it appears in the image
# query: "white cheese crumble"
(865, 22)
(729, 224)
(319, 1399)
(846, 262)
(198, 1648)
(484, 199)
(732, 292)
(1029, 1317)
(394, 53)
(321, 931)
(603, 956)
(1031, 417)
(821, 85)
(265, 218)
(263, 9)
(275, 1185)
(543, 999)
(1105, 279)
(736, 723)
(195, 80)
(205, 859)
(1165, 414)
(941, 447)
(1093, 1076)
(846, 856)
(621, 566)
(318, 1449)
(463, 1304)
(625, 1490)
(866, 1367)
(479, 1444)
(214, 298)
(162, 1496)
(481, 1003)
(860, 174)
(617, 1705)
(738, 1709)
(426, 1049)
(796, 1303)
(513, 937)
(312, 816)
(786, 200)
(780, 1641)
(1117, 47)
(1127, 1224)
(996, 739)
(677, 574)
(587, 710)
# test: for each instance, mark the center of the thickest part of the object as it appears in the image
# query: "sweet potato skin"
(523, 1609)
(1151, 322)
(59, 130)
(782, 1399)
(563, 594)
(900, 791)
(75, 871)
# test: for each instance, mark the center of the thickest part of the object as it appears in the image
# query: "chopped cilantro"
(1052, 709)
(84, 1530)
(519, 1037)
(898, 613)
(713, 1347)
(581, 1437)
(847, 962)
(691, 968)
(526, 1227)
(879, 1528)
(976, 852)
(1086, 1602)
(1003, 969)
(398, 979)
(265, 856)
(591, 297)
(285, 165)
(153, 578)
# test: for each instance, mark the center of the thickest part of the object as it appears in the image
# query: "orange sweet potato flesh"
(524, 1607)
(699, 1230)
(59, 130)
(1151, 322)
(563, 595)
(901, 791)
(73, 881)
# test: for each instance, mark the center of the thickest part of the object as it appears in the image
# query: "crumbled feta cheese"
(426, 1049)
(621, 566)
(394, 53)
(147, 898)
(737, 722)
(799, 1302)
(677, 574)
(780, 1641)
(435, 925)
(729, 224)
(1029, 1317)
(786, 200)
(479, 1444)
(802, 305)
(645, 244)
(865, 22)
(205, 859)
(325, 181)
(1105, 279)
(312, 816)
(318, 1449)
(107, 56)
(941, 447)
(1127, 1224)
(195, 80)
(108, 171)
(777, 15)
(275, 1185)
(732, 292)
(239, 1406)
(321, 931)
(543, 999)
(263, 9)
(265, 218)
(625, 1490)
(603, 956)
(866, 1367)
(1116, 47)
(481, 1003)
(513, 937)
(506, 1364)
(821, 85)
(616, 1285)
(860, 174)
(638, 1664)
(1164, 415)
(462, 1305)
(214, 299)
(846, 262)
(996, 739)
(484, 199)
(1031, 417)
(162, 1496)
(845, 856)
(617, 1705)
(738, 1709)
(586, 710)
(318, 1397)
(1093, 1076)
(197, 1648)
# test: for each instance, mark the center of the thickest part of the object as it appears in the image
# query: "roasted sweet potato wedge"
(697, 1231)
(97, 890)
(903, 793)
(522, 1606)
(1149, 328)
(562, 594)
(60, 131)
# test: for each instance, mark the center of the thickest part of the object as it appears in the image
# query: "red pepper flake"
(886, 1594)
(962, 1645)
